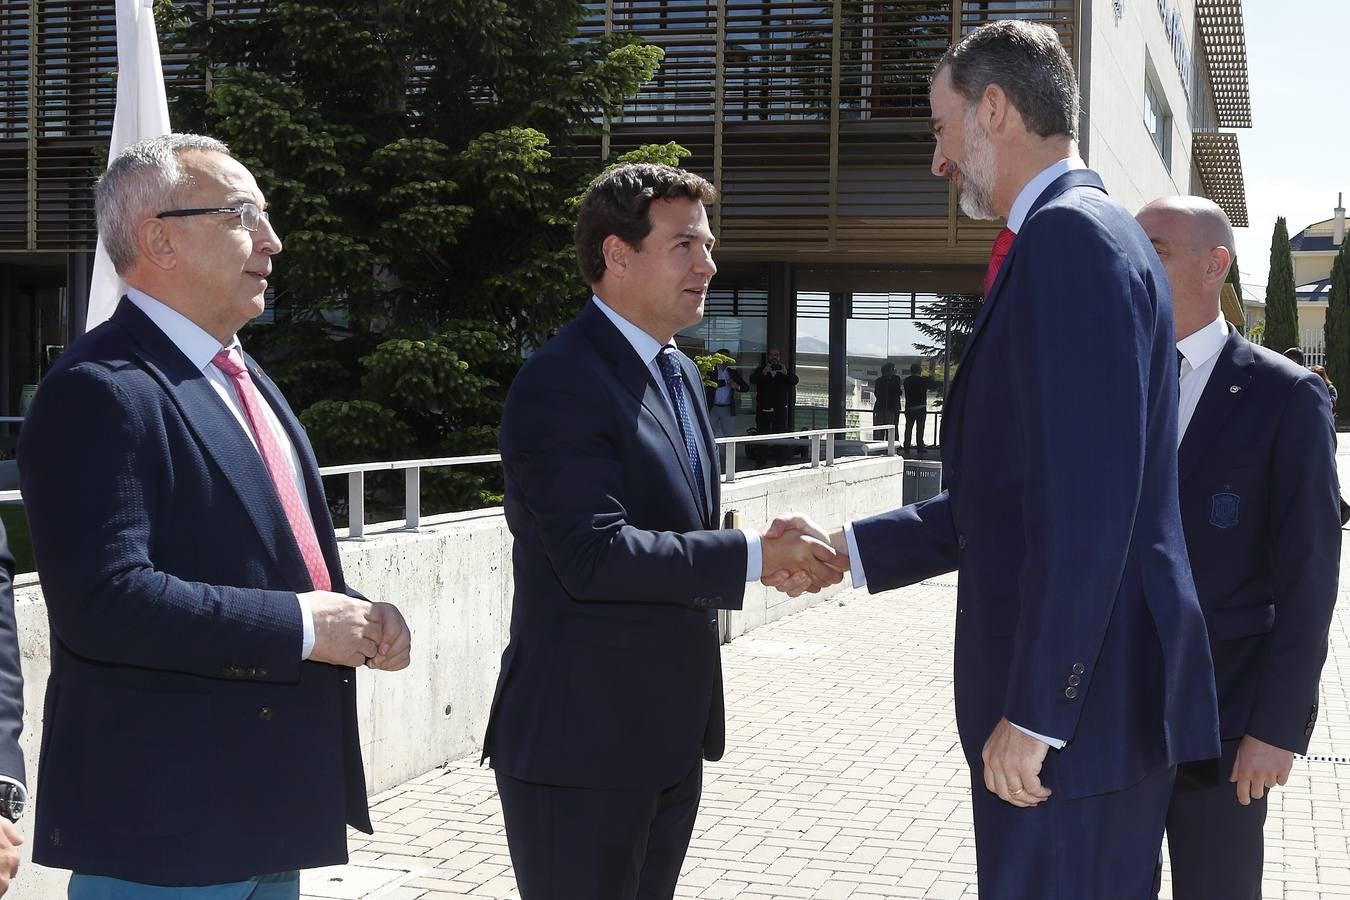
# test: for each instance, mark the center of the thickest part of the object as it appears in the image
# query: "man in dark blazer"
(13, 784)
(773, 383)
(610, 693)
(1082, 671)
(887, 395)
(200, 725)
(1260, 505)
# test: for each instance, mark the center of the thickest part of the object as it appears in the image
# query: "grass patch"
(16, 529)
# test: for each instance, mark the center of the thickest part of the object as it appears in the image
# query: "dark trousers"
(915, 417)
(885, 417)
(1217, 845)
(569, 843)
(773, 421)
(1090, 848)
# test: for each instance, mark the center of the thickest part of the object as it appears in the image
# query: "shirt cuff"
(754, 555)
(1056, 743)
(23, 790)
(855, 566)
(307, 628)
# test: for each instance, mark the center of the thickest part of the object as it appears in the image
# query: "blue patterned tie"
(675, 386)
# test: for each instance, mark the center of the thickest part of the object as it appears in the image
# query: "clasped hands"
(800, 557)
(352, 632)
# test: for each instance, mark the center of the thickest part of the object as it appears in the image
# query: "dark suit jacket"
(773, 391)
(184, 740)
(1076, 616)
(887, 393)
(710, 393)
(1260, 503)
(11, 675)
(612, 677)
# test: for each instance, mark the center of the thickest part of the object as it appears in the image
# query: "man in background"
(1260, 506)
(722, 398)
(916, 388)
(887, 392)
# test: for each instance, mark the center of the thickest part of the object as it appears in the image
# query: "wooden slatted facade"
(811, 117)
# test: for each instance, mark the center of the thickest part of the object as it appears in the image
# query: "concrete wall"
(453, 582)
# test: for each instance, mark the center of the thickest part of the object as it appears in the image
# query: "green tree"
(422, 162)
(1338, 321)
(1281, 305)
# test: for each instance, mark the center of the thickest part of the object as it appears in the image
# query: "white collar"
(1200, 347)
(1035, 187)
(198, 346)
(646, 346)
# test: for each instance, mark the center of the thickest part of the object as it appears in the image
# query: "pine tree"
(1281, 305)
(1338, 321)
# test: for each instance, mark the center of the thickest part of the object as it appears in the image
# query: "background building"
(811, 118)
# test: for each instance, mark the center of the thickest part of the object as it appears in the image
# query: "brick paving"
(843, 778)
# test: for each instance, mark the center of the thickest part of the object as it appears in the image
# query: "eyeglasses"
(249, 214)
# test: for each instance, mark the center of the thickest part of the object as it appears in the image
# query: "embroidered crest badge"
(1223, 510)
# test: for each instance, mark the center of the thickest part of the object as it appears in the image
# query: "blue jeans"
(281, 886)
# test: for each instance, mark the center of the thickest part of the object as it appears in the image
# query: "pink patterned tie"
(231, 363)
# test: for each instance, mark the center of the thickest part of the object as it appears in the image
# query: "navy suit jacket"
(1260, 504)
(1076, 616)
(184, 741)
(11, 674)
(612, 677)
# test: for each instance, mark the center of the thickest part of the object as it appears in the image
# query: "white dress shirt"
(647, 349)
(1200, 351)
(1017, 217)
(200, 348)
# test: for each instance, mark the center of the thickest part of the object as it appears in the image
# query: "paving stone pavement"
(843, 778)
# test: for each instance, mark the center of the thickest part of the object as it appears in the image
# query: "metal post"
(729, 469)
(412, 497)
(890, 439)
(815, 450)
(829, 449)
(356, 504)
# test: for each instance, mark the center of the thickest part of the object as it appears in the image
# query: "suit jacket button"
(1078, 669)
(262, 673)
(712, 625)
(1071, 692)
(1074, 680)
(265, 713)
(961, 541)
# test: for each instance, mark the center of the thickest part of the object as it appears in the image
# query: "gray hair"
(140, 182)
(1028, 62)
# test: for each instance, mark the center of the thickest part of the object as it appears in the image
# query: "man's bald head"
(1194, 240)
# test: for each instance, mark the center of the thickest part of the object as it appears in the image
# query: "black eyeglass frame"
(214, 210)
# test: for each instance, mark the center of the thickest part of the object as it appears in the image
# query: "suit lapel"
(638, 379)
(1223, 394)
(1071, 179)
(219, 436)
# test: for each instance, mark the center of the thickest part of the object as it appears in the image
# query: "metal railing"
(821, 450)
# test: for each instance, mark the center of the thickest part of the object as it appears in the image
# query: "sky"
(1296, 155)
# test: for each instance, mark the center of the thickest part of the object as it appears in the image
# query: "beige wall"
(1120, 147)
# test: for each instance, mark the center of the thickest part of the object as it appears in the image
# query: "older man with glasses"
(201, 734)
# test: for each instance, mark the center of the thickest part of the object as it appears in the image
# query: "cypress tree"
(1281, 306)
(1338, 321)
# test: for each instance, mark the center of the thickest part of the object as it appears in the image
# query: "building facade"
(810, 117)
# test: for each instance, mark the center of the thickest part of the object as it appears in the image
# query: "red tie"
(231, 363)
(1002, 244)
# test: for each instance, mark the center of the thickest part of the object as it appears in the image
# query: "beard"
(976, 191)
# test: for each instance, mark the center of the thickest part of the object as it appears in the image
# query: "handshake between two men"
(801, 557)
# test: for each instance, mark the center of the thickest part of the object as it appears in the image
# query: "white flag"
(142, 112)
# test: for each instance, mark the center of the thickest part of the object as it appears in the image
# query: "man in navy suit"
(1260, 505)
(200, 724)
(1082, 671)
(610, 693)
